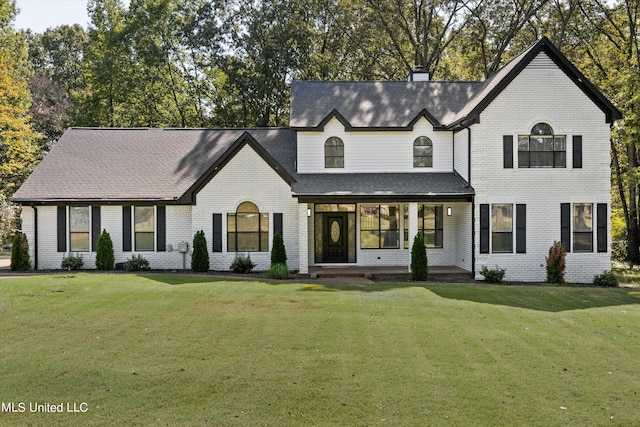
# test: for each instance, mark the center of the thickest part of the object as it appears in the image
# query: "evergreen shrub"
(105, 259)
(419, 262)
(20, 259)
(200, 255)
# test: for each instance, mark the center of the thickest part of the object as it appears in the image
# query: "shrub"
(278, 252)
(278, 271)
(136, 263)
(606, 278)
(242, 264)
(105, 260)
(20, 259)
(72, 263)
(492, 275)
(556, 263)
(419, 262)
(200, 255)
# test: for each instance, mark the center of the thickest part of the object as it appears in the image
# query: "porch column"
(303, 238)
(413, 228)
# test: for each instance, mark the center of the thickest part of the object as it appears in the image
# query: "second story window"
(334, 153)
(542, 149)
(422, 152)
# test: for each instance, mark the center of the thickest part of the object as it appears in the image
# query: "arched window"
(334, 153)
(247, 229)
(422, 152)
(542, 148)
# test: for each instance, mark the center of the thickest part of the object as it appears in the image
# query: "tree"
(105, 259)
(278, 252)
(419, 263)
(20, 259)
(200, 255)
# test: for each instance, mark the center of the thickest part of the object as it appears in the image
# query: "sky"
(38, 15)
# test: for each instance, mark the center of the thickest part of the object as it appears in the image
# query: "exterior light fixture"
(449, 211)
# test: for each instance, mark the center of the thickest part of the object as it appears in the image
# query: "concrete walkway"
(5, 262)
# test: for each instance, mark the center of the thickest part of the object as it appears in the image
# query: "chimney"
(419, 74)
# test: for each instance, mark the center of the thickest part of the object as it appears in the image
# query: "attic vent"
(419, 74)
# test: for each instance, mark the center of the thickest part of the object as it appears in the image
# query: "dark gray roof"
(407, 186)
(89, 164)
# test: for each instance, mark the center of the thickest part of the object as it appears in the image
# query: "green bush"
(72, 263)
(105, 260)
(556, 263)
(20, 259)
(606, 278)
(242, 264)
(492, 275)
(200, 255)
(136, 263)
(278, 271)
(278, 252)
(419, 262)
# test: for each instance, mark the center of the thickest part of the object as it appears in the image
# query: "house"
(492, 173)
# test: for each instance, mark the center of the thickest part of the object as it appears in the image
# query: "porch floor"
(445, 273)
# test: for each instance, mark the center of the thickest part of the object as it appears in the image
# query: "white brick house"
(492, 173)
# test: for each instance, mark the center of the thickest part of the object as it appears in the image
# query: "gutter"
(473, 209)
(35, 237)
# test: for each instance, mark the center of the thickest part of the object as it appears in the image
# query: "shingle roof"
(408, 186)
(107, 164)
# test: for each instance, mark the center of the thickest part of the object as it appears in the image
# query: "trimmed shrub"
(242, 264)
(200, 255)
(492, 275)
(556, 262)
(278, 271)
(278, 252)
(606, 278)
(419, 262)
(20, 259)
(72, 263)
(105, 260)
(136, 263)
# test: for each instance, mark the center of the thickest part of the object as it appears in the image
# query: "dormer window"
(422, 152)
(334, 153)
(542, 148)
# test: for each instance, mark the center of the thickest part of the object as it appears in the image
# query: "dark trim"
(320, 198)
(473, 238)
(126, 229)
(35, 237)
(161, 225)
(507, 151)
(95, 227)
(484, 228)
(424, 113)
(577, 151)
(217, 232)
(277, 224)
(602, 234)
(521, 229)
(469, 156)
(565, 225)
(62, 228)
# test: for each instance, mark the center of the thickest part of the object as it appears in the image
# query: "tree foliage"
(278, 252)
(20, 259)
(200, 255)
(105, 259)
(419, 262)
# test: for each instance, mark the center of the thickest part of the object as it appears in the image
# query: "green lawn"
(190, 350)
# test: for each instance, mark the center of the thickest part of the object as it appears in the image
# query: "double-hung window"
(430, 225)
(542, 148)
(379, 226)
(144, 228)
(334, 153)
(247, 229)
(79, 228)
(502, 228)
(422, 152)
(582, 227)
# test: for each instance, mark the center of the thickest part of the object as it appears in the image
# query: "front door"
(334, 240)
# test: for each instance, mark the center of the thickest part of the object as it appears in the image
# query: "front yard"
(193, 350)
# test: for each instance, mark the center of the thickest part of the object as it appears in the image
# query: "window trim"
(379, 228)
(262, 231)
(574, 225)
(339, 158)
(72, 233)
(422, 141)
(438, 224)
(495, 234)
(555, 153)
(136, 232)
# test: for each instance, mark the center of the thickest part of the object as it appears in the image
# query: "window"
(379, 226)
(582, 227)
(79, 228)
(430, 225)
(334, 153)
(144, 227)
(405, 226)
(542, 149)
(247, 229)
(422, 152)
(502, 228)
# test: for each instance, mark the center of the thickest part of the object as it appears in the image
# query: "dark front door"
(334, 237)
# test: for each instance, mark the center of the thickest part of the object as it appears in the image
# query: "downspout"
(35, 237)
(473, 208)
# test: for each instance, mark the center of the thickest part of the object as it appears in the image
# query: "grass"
(192, 350)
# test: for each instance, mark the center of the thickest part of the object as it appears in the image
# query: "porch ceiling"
(381, 186)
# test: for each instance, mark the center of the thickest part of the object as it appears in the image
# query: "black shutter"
(521, 229)
(507, 151)
(577, 151)
(602, 227)
(277, 223)
(565, 225)
(484, 229)
(95, 227)
(126, 228)
(161, 240)
(62, 228)
(217, 232)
